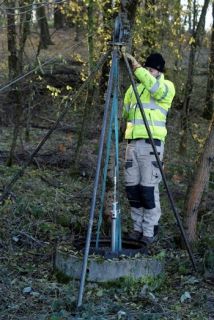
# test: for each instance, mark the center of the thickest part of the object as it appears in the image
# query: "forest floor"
(49, 206)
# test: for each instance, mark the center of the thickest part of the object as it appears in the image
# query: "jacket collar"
(161, 77)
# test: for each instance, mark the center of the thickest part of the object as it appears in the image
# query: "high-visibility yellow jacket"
(156, 95)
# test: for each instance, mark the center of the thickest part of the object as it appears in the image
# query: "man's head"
(155, 64)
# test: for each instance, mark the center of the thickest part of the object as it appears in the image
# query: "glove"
(134, 62)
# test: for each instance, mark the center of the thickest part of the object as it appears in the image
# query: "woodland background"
(47, 51)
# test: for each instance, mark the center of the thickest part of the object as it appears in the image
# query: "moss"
(160, 256)
(61, 277)
(129, 282)
(63, 219)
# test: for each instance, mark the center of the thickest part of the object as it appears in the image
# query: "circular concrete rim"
(104, 270)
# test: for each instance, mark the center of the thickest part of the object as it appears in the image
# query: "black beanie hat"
(155, 61)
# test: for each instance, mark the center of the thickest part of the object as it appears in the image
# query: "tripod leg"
(96, 181)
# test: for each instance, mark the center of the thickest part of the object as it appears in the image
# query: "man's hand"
(134, 62)
(131, 58)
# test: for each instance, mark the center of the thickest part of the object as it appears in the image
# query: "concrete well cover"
(100, 270)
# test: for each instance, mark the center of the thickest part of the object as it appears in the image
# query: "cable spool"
(117, 27)
(121, 30)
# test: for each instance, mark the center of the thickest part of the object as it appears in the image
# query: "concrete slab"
(101, 270)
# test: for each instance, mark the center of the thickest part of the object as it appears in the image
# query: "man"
(142, 174)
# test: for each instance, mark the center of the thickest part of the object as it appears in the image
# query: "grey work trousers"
(142, 178)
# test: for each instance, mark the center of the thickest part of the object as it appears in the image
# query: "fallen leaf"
(177, 178)
(61, 148)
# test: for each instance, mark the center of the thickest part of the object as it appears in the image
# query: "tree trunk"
(89, 96)
(128, 9)
(90, 34)
(16, 129)
(15, 63)
(58, 16)
(189, 7)
(196, 189)
(195, 42)
(105, 68)
(79, 21)
(12, 64)
(24, 31)
(11, 40)
(209, 105)
(45, 39)
(177, 17)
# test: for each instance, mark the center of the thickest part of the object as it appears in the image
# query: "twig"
(32, 239)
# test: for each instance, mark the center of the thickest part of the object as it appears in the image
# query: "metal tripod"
(119, 34)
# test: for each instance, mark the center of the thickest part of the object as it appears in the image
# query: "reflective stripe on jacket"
(156, 96)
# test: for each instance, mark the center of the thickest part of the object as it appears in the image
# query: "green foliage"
(160, 27)
(161, 255)
(183, 268)
(61, 277)
(211, 180)
(76, 13)
(46, 211)
(160, 24)
(132, 286)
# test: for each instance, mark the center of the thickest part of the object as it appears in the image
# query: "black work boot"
(147, 240)
(150, 240)
(135, 235)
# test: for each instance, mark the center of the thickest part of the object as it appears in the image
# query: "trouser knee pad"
(134, 196)
(147, 197)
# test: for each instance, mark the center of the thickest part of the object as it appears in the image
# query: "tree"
(129, 9)
(58, 16)
(105, 68)
(195, 42)
(209, 109)
(89, 95)
(16, 45)
(200, 179)
(90, 34)
(24, 31)
(11, 40)
(202, 172)
(45, 38)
